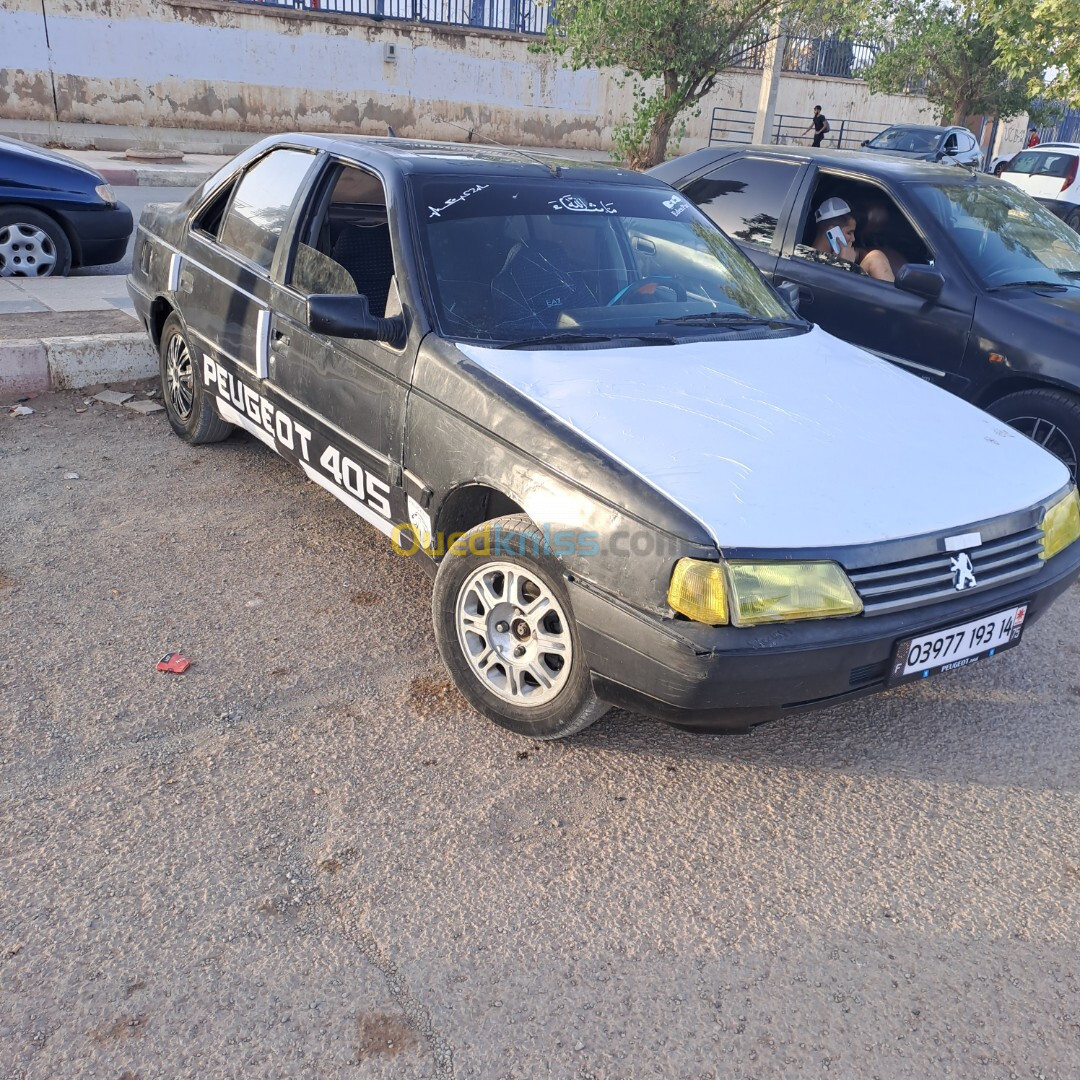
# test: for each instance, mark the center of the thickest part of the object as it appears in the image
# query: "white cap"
(832, 208)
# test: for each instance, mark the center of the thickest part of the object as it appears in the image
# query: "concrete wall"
(209, 64)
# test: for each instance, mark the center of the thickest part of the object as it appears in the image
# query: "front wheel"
(191, 414)
(507, 634)
(1049, 417)
(32, 244)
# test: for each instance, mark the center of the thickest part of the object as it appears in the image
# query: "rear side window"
(260, 207)
(1044, 163)
(745, 196)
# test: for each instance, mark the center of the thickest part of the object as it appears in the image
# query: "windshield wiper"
(732, 319)
(1032, 285)
(571, 338)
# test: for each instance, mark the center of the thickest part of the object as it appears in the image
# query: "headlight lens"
(1061, 525)
(106, 193)
(750, 593)
(783, 591)
(699, 592)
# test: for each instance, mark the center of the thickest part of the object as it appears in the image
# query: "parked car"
(925, 142)
(55, 214)
(637, 476)
(1049, 174)
(986, 301)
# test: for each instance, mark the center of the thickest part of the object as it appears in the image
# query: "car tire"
(32, 244)
(1049, 417)
(1073, 220)
(191, 414)
(498, 591)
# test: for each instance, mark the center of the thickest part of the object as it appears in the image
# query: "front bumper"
(101, 235)
(731, 678)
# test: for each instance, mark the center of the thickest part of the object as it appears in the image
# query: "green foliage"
(948, 50)
(1039, 42)
(674, 50)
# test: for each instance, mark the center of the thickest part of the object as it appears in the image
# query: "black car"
(986, 300)
(636, 475)
(55, 214)
(925, 142)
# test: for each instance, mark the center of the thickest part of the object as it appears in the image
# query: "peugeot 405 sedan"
(637, 476)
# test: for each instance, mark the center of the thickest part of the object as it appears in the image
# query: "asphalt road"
(135, 198)
(306, 856)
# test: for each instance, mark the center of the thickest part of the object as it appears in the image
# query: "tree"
(947, 50)
(1039, 42)
(673, 49)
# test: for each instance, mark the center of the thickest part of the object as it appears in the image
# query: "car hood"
(1062, 308)
(54, 164)
(787, 442)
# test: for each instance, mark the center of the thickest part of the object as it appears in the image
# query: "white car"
(1049, 173)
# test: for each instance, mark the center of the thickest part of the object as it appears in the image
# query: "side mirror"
(865, 142)
(920, 279)
(789, 290)
(349, 316)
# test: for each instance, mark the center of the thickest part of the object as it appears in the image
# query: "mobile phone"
(836, 238)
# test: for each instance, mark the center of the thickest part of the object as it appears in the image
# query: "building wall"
(211, 64)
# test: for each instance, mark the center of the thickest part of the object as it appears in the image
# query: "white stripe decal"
(355, 505)
(174, 272)
(231, 416)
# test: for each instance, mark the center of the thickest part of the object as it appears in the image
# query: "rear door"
(750, 197)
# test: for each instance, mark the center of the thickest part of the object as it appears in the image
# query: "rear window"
(1044, 163)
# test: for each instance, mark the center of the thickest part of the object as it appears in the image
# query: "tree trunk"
(655, 150)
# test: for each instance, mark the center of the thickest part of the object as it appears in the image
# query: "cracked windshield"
(516, 264)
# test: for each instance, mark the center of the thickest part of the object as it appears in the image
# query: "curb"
(71, 363)
(150, 177)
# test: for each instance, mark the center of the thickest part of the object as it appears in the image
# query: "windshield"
(910, 139)
(512, 261)
(1003, 235)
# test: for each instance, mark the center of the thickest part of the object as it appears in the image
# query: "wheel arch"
(160, 310)
(1014, 384)
(471, 504)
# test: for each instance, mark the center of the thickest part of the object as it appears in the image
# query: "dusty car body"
(636, 475)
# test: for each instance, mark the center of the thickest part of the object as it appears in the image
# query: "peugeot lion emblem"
(963, 572)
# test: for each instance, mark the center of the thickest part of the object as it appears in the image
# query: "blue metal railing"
(520, 16)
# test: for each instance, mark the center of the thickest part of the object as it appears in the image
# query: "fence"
(521, 16)
(737, 126)
(832, 57)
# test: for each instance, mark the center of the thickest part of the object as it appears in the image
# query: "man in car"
(834, 242)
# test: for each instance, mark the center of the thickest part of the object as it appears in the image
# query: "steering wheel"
(643, 291)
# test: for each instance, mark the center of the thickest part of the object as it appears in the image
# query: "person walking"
(819, 124)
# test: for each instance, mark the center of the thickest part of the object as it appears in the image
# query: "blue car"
(55, 214)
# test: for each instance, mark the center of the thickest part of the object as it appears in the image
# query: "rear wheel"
(32, 244)
(1049, 417)
(1073, 220)
(507, 634)
(191, 414)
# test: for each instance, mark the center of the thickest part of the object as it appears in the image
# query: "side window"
(950, 143)
(744, 197)
(967, 142)
(260, 207)
(345, 243)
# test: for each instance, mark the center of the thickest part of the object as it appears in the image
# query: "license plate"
(958, 646)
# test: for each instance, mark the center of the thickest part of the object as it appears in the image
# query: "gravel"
(305, 856)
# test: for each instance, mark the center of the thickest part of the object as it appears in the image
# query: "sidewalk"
(69, 332)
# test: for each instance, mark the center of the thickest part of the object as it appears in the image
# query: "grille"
(896, 586)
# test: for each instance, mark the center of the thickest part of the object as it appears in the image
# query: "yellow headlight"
(697, 590)
(784, 591)
(1061, 526)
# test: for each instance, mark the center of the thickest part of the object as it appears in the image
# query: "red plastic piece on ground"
(173, 661)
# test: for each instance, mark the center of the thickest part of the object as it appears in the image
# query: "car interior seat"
(363, 248)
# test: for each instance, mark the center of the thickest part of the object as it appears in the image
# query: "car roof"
(926, 127)
(416, 156)
(873, 162)
(1054, 146)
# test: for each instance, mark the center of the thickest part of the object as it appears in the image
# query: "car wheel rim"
(178, 377)
(514, 634)
(1048, 435)
(26, 251)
